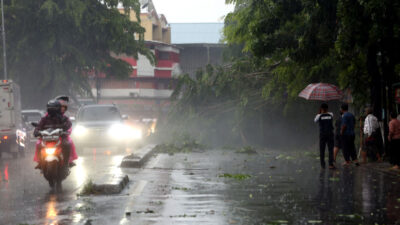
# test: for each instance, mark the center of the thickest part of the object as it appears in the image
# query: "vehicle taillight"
(5, 137)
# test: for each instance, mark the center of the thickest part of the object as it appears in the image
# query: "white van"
(12, 133)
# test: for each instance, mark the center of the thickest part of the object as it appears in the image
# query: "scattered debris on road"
(185, 144)
(115, 187)
(148, 211)
(235, 176)
(247, 150)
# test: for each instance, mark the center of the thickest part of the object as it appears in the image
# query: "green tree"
(296, 38)
(53, 44)
(283, 45)
(368, 44)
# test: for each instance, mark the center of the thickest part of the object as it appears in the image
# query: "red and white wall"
(146, 80)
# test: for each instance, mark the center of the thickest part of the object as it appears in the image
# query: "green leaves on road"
(247, 150)
(88, 189)
(235, 176)
(180, 144)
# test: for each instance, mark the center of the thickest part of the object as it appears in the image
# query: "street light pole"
(3, 33)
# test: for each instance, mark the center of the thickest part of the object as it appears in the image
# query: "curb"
(114, 187)
(137, 159)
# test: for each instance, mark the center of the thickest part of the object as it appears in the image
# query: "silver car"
(103, 126)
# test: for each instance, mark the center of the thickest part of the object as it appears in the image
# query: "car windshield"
(99, 114)
(32, 117)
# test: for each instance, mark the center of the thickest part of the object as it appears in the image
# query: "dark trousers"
(323, 141)
(395, 152)
(349, 149)
(66, 150)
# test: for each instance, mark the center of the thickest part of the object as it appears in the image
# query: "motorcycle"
(53, 167)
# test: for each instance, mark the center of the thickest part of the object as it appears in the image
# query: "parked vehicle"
(12, 129)
(103, 126)
(53, 167)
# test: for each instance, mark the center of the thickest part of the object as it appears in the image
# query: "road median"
(138, 158)
(112, 187)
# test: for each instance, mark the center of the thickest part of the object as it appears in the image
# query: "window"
(163, 55)
(100, 114)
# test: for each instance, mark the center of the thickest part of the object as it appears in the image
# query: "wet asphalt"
(211, 187)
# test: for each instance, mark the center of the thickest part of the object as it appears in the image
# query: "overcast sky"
(192, 11)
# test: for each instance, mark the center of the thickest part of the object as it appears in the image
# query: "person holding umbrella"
(324, 92)
(325, 121)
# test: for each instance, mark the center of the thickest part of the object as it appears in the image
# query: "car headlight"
(123, 132)
(135, 133)
(79, 131)
(117, 131)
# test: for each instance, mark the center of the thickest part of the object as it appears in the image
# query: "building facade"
(149, 87)
(200, 45)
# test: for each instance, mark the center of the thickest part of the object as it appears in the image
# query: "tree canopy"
(347, 42)
(297, 36)
(276, 48)
(52, 45)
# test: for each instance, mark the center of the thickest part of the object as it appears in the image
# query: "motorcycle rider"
(54, 119)
(64, 101)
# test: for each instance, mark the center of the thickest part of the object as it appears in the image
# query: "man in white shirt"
(325, 121)
(370, 126)
(370, 123)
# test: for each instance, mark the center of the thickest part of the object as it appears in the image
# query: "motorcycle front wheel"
(51, 173)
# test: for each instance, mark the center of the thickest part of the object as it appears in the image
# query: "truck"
(12, 131)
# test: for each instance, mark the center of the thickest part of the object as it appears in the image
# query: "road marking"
(153, 162)
(137, 191)
(139, 187)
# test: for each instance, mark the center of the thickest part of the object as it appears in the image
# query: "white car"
(103, 126)
(29, 116)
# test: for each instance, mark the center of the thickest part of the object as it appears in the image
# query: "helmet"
(62, 97)
(53, 107)
(64, 100)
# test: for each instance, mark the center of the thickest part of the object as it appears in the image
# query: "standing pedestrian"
(371, 128)
(361, 121)
(338, 139)
(394, 139)
(348, 136)
(325, 121)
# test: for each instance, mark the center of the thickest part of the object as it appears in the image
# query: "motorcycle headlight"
(79, 131)
(50, 151)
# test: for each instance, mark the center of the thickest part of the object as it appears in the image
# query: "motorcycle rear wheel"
(51, 183)
(58, 186)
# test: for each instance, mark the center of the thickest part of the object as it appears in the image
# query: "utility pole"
(98, 88)
(3, 33)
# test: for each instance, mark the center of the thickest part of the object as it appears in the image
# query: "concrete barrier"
(138, 158)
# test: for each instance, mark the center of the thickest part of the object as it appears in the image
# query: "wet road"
(214, 187)
(25, 196)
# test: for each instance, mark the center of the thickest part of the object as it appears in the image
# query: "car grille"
(97, 131)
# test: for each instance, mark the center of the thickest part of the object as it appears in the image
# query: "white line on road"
(136, 191)
(139, 187)
(153, 163)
